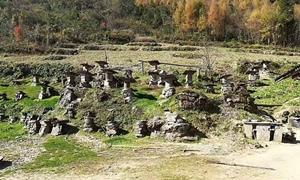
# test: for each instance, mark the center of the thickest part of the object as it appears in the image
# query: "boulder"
(168, 92)
(172, 127)
(46, 128)
(154, 126)
(141, 129)
(189, 100)
(33, 126)
(112, 128)
(58, 127)
(178, 129)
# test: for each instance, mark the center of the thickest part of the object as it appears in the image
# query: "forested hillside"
(259, 21)
(45, 22)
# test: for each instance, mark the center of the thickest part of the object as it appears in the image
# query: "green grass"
(29, 103)
(60, 152)
(277, 93)
(128, 140)
(35, 104)
(147, 100)
(31, 92)
(11, 131)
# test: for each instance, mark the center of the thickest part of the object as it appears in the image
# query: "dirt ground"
(206, 160)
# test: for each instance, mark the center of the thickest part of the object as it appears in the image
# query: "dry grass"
(224, 57)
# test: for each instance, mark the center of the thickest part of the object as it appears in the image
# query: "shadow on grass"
(145, 96)
(5, 164)
(71, 130)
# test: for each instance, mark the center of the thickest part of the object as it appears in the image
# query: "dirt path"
(283, 158)
(169, 162)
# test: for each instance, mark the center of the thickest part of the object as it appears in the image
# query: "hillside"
(40, 24)
(149, 89)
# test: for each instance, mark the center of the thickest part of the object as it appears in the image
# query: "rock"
(33, 126)
(35, 80)
(70, 79)
(172, 127)
(154, 126)
(85, 79)
(67, 97)
(127, 95)
(71, 112)
(89, 125)
(240, 98)
(189, 100)
(46, 128)
(45, 92)
(141, 129)
(169, 89)
(23, 117)
(13, 119)
(19, 95)
(58, 127)
(109, 80)
(227, 88)
(112, 128)
(289, 137)
(154, 78)
(177, 129)
(168, 92)
(161, 81)
(189, 78)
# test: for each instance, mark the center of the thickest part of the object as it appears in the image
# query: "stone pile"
(70, 111)
(32, 123)
(240, 98)
(112, 128)
(127, 92)
(59, 127)
(154, 78)
(141, 129)
(169, 88)
(85, 79)
(189, 100)
(67, 97)
(19, 95)
(35, 80)
(89, 125)
(109, 79)
(189, 78)
(35, 125)
(172, 127)
(45, 92)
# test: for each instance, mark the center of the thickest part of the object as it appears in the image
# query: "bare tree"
(208, 60)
